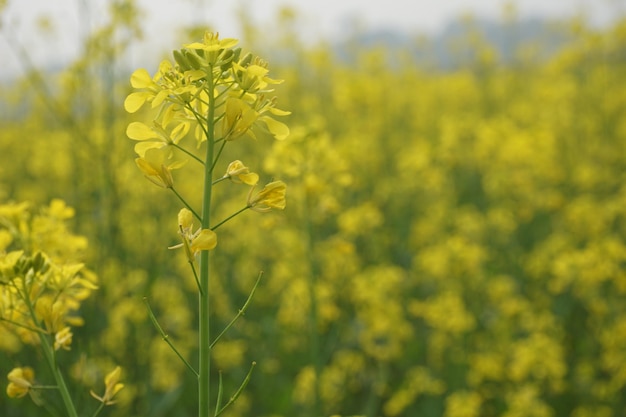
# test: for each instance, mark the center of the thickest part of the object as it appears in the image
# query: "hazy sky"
(319, 18)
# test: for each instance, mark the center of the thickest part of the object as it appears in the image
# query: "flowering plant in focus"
(212, 96)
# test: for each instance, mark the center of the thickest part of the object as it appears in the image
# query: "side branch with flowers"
(42, 285)
(217, 95)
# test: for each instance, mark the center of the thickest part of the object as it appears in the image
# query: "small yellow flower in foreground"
(63, 339)
(205, 240)
(21, 381)
(112, 387)
(271, 196)
(238, 119)
(239, 173)
(202, 239)
(153, 167)
(185, 219)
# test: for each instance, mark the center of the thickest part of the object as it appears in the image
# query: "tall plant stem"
(56, 372)
(204, 378)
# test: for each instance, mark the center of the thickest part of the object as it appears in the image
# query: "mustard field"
(453, 242)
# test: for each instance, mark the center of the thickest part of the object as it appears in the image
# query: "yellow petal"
(140, 131)
(134, 101)
(279, 130)
(278, 112)
(206, 240)
(185, 218)
(141, 79)
(142, 147)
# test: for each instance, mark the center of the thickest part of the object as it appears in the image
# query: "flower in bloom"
(212, 47)
(239, 173)
(20, 381)
(152, 164)
(112, 386)
(167, 84)
(63, 339)
(193, 242)
(238, 119)
(252, 77)
(157, 135)
(271, 196)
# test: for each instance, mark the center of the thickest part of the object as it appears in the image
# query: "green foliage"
(454, 242)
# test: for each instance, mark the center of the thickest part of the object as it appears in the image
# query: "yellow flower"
(271, 196)
(202, 239)
(153, 167)
(266, 123)
(112, 387)
(21, 381)
(157, 135)
(239, 173)
(252, 77)
(213, 48)
(185, 219)
(205, 240)
(238, 119)
(63, 339)
(167, 84)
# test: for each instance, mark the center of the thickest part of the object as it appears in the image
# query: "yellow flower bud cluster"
(43, 284)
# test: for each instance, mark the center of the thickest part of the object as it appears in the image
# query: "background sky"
(320, 19)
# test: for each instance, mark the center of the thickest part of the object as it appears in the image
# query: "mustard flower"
(271, 196)
(156, 136)
(239, 173)
(21, 381)
(193, 242)
(153, 167)
(267, 123)
(253, 77)
(238, 119)
(213, 48)
(63, 339)
(112, 387)
(167, 83)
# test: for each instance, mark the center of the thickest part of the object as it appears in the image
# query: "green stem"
(48, 352)
(239, 390)
(166, 337)
(187, 152)
(218, 155)
(98, 410)
(230, 217)
(58, 376)
(241, 311)
(186, 204)
(204, 378)
(23, 326)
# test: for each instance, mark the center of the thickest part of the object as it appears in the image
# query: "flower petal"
(206, 240)
(141, 79)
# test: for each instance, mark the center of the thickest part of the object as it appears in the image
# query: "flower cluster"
(42, 286)
(219, 94)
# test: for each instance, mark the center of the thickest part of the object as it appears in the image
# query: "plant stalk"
(204, 378)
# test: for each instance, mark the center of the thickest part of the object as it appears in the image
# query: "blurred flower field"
(453, 245)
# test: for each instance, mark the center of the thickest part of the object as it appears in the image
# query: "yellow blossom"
(112, 387)
(238, 119)
(239, 173)
(63, 339)
(271, 196)
(193, 242)
(21, 381)
(205, 240)
(153, 167)
(159, 135)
